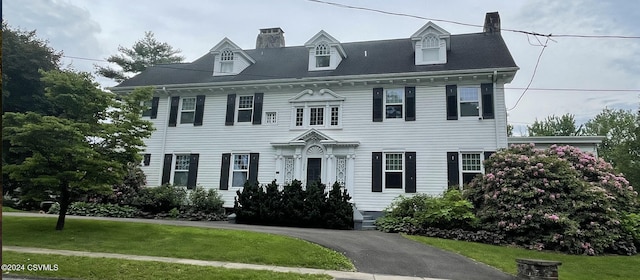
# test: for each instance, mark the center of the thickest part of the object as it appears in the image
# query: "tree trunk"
(64, 205)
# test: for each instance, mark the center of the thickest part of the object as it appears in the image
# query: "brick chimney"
(492, 23)
(270, 38)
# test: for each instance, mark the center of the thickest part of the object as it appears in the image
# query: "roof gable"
(226, 43)
(432, 28)
(323, 36)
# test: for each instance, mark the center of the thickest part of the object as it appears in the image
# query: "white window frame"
(461, 164)
(402, 104)
(401, 171)
(238, 108)
(479, 101)
(175, 169)
(322, 51)
(317, 119)
(183, 110)
(233, 169)
(298, 117)
(226, 61)
(430, 42)
(301, 116)
(335, 116)
(271, 117)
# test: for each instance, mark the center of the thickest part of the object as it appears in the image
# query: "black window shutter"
(453, 171)
(231, 108)
(193, 171)
(173, 114)
(488, 154)
(154, 107)
(410, 172)
(253, 167)
(197, 120)
(487, 101)
(147, 160)
(452, 102)
(410, 103)
(166, 168)
(376, 172)
(224, 171)
(377, 104)
(257, 107)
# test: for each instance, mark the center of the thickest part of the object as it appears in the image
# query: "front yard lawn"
(170, 241)
(573, 267)
(103, 268)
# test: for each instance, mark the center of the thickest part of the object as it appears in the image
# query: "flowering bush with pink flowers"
(555, 199)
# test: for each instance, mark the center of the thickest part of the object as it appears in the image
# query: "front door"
(314, 170)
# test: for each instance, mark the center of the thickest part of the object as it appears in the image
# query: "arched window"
(226, 61)
(323, 55)
(430, 48)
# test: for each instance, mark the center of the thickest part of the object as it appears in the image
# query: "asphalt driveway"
(371, 251)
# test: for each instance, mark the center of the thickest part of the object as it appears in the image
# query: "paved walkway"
(372, 252)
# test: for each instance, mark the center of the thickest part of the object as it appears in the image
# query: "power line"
(535, 69)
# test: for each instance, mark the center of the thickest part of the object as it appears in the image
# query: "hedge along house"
(383, 118)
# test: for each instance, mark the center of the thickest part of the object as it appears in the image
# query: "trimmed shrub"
(556, 199)
(206, 201)
(96, 210)
(294, 206)
(160, 199)
(421, 211)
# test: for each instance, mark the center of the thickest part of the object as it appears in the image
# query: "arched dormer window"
(323, 55)
(430, 48)
(226, 61)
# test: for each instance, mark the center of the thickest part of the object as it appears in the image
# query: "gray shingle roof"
(468, 51)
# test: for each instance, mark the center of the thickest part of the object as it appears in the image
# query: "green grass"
(170, 241)
(103, 268)
(573, 266)
(9, 209)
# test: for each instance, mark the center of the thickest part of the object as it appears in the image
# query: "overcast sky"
(94, 29)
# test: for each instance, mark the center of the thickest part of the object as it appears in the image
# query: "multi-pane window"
(188, 110)
(335, 115)
(431, 48)
(393, 103)
(240, 170)
(469, 101)
(471, 166)
(323, 56)
(393, 170)
(316, 116)
(245, 108)
(226, 61)
(271, 117)
(181, 170)
(147, 108)
(299, 116)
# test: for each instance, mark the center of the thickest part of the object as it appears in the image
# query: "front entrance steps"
(364, 220)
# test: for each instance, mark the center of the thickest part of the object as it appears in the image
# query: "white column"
(297, 170)
(330, 173)
(349, 181)
(279, 172)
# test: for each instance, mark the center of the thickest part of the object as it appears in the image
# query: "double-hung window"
(431, 48)
(471, 166)
(226, 61)
(323, 56)
(147, 108)
(245, 108)
(316, 116)
(335, 116)
(181, 170)
(299, 117)
(393, 170)
(469, 101)
(240, 172)
(394, 103)
(188, 110)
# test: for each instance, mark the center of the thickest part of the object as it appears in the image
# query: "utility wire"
(535, 69)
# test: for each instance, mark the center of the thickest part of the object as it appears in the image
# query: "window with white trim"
(471, 166)
(245, 108)
(240, 170)
(226, 61)
(271, 117)
(147, 108)
(316, 116)
(188, 110)
(430, 48)
(323, 55)
(299, 116)
(181, 170)
(469, 101)
(335, 115)
(394, 103)
(393, 170)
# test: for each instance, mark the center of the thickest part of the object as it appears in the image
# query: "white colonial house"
(383, 118)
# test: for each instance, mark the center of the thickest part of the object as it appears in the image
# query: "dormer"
(431, 44)
(325, 52)
(229, 59)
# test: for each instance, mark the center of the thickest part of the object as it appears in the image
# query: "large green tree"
(621, 146)
(553, 125)
(84, 147)
(144, 53)
(23, 55)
